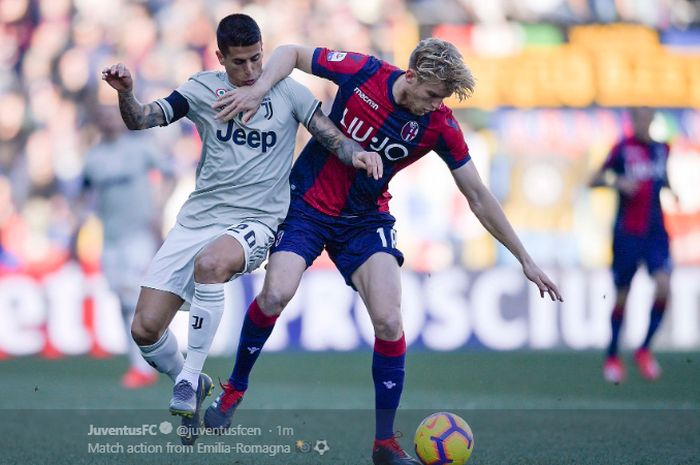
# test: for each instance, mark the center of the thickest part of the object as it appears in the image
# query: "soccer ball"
(444, 438)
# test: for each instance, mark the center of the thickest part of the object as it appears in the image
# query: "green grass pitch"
(523, 407)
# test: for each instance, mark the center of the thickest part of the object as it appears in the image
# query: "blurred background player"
(226, 226)
(636, 168)
(117, 180)
(401, 115)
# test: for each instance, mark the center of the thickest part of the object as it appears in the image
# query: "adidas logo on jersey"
(253, 139)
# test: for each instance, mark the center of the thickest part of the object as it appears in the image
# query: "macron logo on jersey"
(366, 99)
(253, 139)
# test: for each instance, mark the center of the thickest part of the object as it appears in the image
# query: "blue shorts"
(350, 241)
(630, 251)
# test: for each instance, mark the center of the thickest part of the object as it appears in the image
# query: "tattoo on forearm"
(138, 116)
(331, 138)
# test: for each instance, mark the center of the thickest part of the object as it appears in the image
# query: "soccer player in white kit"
(242, 193)
(116, 184)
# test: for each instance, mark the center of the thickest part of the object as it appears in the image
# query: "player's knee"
(388, 327)
(209, 268)
(145, 331)
(273, 301)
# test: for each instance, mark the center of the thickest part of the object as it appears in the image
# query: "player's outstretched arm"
(490, 214)
(135, 114)
(247, 99)
(599, 178)
(346, 149)
(606, 178)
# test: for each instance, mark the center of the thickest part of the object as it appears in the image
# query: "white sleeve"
(301, 100)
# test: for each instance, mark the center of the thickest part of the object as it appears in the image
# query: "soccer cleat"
(219, 413)
(646, 363)
(389, 452)
(190, 424)
(613, 370)
(135, 379)
(184, 400)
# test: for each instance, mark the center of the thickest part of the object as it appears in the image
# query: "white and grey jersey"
(118, 172)
(243, 171)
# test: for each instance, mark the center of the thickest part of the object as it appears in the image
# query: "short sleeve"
(182, 100)
(614, 160)
(301, 100)
(337, 66)
(451, 146)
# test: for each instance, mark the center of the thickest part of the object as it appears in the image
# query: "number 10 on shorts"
(383, 235)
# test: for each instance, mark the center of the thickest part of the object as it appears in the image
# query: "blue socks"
(657, 314)
(615, 324)
(257, 327)
(388, 375)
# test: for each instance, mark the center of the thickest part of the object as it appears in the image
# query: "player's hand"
(371, 162)
(626, 186)
(244, 100)
(537, 276)
(119, 77)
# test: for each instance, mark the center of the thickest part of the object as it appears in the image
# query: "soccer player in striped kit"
(227, 224)
(636, 168)
(399, 114)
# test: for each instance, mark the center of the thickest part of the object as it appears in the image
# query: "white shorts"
(172, 269)
(124, 263)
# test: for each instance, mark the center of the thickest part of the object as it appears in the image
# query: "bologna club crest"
(409, 131)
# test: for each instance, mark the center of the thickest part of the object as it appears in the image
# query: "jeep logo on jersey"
(409, 131)
(361, 132)
(252, 139)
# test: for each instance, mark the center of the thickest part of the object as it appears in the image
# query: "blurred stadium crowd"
(536, 160)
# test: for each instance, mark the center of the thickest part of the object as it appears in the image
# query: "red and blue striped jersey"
(644, 162)
(365, 110)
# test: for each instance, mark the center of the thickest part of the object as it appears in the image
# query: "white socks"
(164, 355)
(205, 316)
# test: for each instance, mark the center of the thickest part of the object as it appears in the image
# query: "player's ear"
(411, 76)
(220, 56)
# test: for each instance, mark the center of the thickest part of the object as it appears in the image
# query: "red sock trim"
(390, 348)
(257, 316)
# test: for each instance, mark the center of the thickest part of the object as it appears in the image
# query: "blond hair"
(438, 60)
